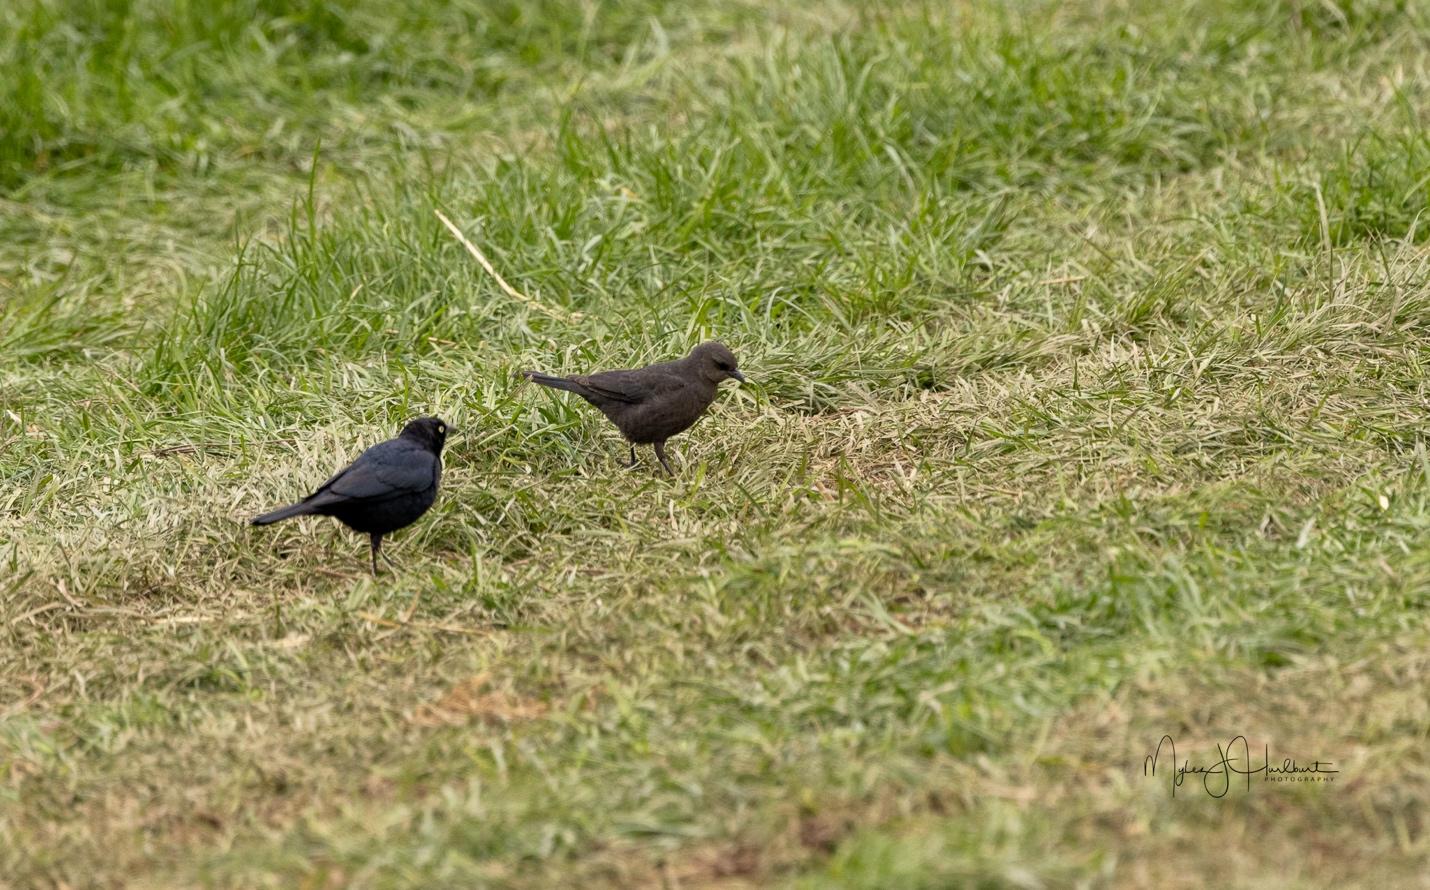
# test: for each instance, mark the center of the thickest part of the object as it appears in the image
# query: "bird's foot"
(660, 455)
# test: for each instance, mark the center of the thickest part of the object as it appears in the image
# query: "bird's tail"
(299, 509)
(553, 382)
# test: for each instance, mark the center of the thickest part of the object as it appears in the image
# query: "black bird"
(651, 404)
(388, 487)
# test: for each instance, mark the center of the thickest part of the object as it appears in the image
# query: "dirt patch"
(472, 700)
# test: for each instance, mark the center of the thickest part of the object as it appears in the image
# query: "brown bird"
(651, 404)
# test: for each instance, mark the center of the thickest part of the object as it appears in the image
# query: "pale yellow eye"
(441, 429)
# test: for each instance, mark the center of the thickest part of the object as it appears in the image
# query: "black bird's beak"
(738, 376)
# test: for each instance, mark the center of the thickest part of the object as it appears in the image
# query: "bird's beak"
(738, 376)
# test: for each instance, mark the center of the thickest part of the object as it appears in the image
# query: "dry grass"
(1089, 359)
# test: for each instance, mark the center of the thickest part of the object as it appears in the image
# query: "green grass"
(1088, 345)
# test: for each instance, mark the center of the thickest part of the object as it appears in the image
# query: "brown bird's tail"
(553, 382)
(302, 508)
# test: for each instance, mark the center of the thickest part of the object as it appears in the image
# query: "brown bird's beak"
(738, 376)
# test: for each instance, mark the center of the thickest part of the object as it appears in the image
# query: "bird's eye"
(441, 428)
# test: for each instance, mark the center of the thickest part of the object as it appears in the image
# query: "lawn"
(1088, 349)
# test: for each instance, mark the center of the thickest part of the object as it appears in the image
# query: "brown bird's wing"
(620, 386)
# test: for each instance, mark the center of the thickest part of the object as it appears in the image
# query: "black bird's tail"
(299, 509)
(553, 382)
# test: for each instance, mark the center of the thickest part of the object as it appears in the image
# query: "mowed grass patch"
(1088, 362)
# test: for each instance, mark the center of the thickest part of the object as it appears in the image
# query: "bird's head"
(716, 362)
(430, 431)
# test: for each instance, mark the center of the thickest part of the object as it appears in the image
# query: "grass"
(1089, 354)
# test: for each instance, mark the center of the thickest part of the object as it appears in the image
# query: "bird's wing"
(631, 386)
(379, 473)
(331, 479)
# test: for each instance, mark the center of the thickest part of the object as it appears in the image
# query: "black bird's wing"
(390, 469)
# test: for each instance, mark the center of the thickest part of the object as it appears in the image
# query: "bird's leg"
(632, 464)
(376, 540)
(660, 453)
